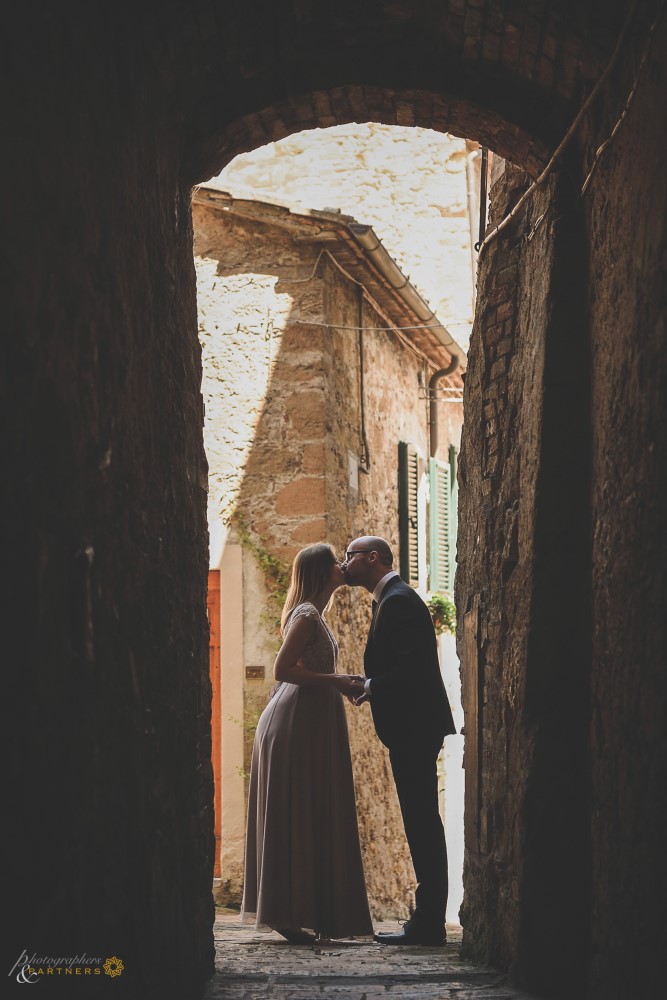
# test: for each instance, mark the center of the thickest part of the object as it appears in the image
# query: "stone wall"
(524, 556)
(268, 417)
(561, 554)
(498, 470)
(627, 221)
(110, 827)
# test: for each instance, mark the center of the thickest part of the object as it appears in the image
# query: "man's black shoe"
(413, 935)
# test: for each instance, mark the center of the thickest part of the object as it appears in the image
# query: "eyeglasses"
(355, 552)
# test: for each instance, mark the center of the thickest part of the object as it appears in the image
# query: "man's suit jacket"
(407, 696)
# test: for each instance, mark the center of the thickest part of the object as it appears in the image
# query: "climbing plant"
(276, 573)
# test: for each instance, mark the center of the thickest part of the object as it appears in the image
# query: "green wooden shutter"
(453, 509)
(408, 485)
(441, 555)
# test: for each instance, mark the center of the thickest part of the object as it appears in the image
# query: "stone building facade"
(316, 368)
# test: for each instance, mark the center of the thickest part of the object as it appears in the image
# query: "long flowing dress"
(303, 866)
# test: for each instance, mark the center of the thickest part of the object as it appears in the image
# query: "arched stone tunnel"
(110, 118)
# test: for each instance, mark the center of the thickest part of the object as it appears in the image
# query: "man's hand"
(350, 686)
(354, 688)
(360, 695)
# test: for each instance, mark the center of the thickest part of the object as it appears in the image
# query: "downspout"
(364, 457)
(471, 191)
(433, 402)
(483, 185)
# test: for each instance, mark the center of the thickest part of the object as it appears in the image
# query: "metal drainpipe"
(433, 402)
(473, 215)
(483, 186)
(364, 457)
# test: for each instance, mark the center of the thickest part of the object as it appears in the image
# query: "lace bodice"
(322, 654)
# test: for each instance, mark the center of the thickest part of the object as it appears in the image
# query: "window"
(442, 523)
(408, 512)
(414, 490)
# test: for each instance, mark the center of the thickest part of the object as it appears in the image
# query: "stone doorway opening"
(287, 290)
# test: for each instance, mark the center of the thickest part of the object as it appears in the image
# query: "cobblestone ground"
(252, 966)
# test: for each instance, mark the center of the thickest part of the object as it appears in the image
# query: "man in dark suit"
(412, 716)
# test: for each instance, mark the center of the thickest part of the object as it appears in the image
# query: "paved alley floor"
(253, 966)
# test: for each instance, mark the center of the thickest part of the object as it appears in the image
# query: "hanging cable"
(570, 132)
(364, 456)
(339, 326)
(601, 149)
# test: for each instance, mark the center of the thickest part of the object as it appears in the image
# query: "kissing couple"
(304, 875)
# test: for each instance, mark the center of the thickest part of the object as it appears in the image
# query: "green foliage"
(276, 573)
(443, 613)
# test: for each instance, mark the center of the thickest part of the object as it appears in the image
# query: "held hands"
(352, 687)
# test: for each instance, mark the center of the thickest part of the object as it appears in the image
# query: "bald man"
(412, 716)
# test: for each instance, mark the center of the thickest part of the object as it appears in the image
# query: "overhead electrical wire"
(577, 121)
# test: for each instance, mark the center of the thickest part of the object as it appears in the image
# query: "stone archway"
(508, 76)
(384, 105)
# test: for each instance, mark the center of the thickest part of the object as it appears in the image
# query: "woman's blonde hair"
(311, 572)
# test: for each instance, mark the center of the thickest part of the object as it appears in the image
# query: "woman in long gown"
(303, 869)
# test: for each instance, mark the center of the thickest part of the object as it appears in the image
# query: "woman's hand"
(359, 696)
(350, 685)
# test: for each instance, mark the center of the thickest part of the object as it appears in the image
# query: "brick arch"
(346, 104)
(509, 74)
